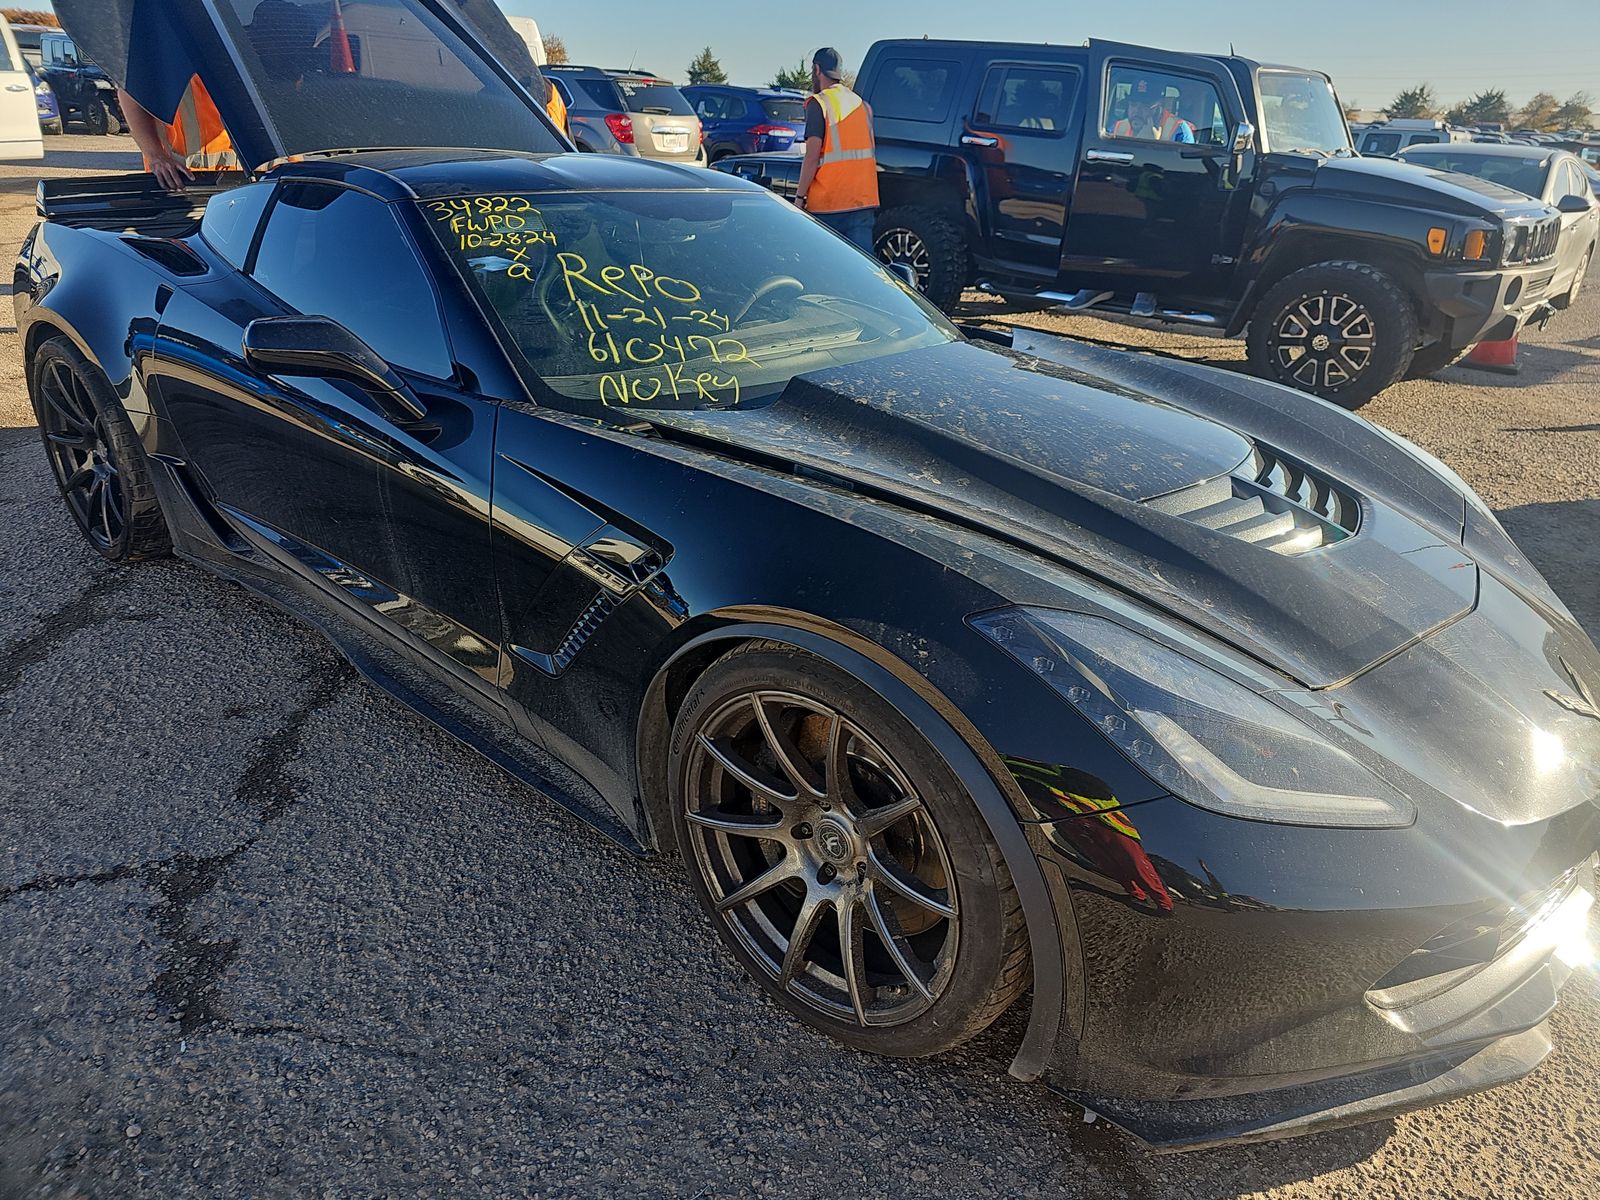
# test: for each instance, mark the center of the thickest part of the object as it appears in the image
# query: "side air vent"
(1270, 501)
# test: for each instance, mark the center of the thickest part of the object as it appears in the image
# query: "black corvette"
(955, 666)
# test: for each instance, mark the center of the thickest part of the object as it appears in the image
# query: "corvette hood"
(1091, 473)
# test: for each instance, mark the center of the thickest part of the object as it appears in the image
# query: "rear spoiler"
(128, 203)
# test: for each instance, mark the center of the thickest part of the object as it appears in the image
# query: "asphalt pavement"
(264, 933)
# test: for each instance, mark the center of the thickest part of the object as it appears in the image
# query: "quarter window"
(230, 221)
(915, 89)
(331, 252)
(1028, 99)
(1147, 104)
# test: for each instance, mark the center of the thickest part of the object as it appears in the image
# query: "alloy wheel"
(822, 859)
(81, 456)
(1324, 341)
(903, 246)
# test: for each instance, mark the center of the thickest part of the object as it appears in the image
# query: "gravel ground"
(265, 933)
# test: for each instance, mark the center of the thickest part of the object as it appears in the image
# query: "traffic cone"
(341, 60)
(1499, 357)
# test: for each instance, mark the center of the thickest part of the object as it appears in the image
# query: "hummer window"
(1150, 105)
(1299, 111)
(1028, 99)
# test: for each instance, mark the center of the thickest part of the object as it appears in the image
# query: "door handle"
(1108, 156)
(977, 139)
(18, 87)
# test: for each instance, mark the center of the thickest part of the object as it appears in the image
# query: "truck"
(1026, 170)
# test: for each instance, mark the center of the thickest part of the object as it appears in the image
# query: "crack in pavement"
(186, 990)
(83, 611)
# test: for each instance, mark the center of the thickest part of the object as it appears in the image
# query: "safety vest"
(556, 107)
(1169, 126)
(847, 173)
(197, 134)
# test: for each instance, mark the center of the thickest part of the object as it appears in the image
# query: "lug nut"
(827, 873)
(802, 830)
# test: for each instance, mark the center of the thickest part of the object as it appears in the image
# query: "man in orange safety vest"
(839, 176)
(1149, 118)
(193, 140)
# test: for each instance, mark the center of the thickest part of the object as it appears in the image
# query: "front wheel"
(1576, 289)
(931, 244)
(839, 857)
(97, 118)
(1344, 331)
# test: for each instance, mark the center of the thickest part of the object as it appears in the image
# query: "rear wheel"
(96, 456)
(1340, 330)
(839, 858)
(97, 118)
(930, 243)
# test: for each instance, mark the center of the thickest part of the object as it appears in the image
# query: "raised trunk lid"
(303, 76)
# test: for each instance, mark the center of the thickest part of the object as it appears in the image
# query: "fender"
(923, 706)
(941, 180)
(1306, 226)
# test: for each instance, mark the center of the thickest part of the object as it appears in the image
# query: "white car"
(1545, 173)
(20, 136)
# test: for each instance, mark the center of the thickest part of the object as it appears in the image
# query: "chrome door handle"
(1108, 156)
(18, 87)
(974, 139)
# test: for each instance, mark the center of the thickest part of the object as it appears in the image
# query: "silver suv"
(628, 112)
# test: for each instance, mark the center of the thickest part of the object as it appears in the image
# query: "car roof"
(424, 174)
(1486, 150)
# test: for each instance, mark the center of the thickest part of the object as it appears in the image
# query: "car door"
(20, 136)
(1022, 141)
(1578, 229)
(375, 506)
(1150, 213)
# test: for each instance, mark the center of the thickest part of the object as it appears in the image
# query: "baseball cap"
(828, 61)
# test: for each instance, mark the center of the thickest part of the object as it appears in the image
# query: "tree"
(797, 78)
(1538, 112)
(1412, 102)
(706, 69)
(555, 50)
(29, 16)
(1576, 112)
(1486, 108)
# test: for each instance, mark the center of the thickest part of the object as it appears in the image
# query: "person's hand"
(171, 173)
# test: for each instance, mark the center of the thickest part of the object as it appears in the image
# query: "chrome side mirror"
(1244, 137)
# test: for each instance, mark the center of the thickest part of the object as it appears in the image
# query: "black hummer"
(1193, 188)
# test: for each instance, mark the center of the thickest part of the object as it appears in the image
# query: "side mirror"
(1574, 204)
(906, 273)
(319, 347)
(1244, 137)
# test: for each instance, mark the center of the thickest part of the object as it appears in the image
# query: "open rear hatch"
(305, 76)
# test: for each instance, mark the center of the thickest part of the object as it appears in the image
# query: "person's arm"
(150, 136)
(1183, 133)
(815, 127)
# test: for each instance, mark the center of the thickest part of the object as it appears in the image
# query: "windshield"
(685, 300)
(1301, 112)
(648, 97)
(1523, 173)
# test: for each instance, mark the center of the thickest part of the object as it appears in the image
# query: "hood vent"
(1269, 501)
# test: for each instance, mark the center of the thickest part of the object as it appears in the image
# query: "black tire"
(1340, 330)
(935, 980)
(96, 117)
(95, 455)
(1431, 359)
(932, 244)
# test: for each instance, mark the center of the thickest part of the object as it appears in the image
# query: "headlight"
(1209, 740)
(43, 88)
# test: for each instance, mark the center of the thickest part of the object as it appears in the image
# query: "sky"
(1372, 48)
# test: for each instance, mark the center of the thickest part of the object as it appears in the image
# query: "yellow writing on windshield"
(653, 335)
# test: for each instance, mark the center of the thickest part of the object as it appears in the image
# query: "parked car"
(780, 172)
(1003, 165)
(45, 107)
(1390, 137)
(953, 667)
(1552, 176)
(618, 112)
(748, 120)
(19, 119)
(85, 96)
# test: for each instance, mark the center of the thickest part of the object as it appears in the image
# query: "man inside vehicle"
(1148, 117)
